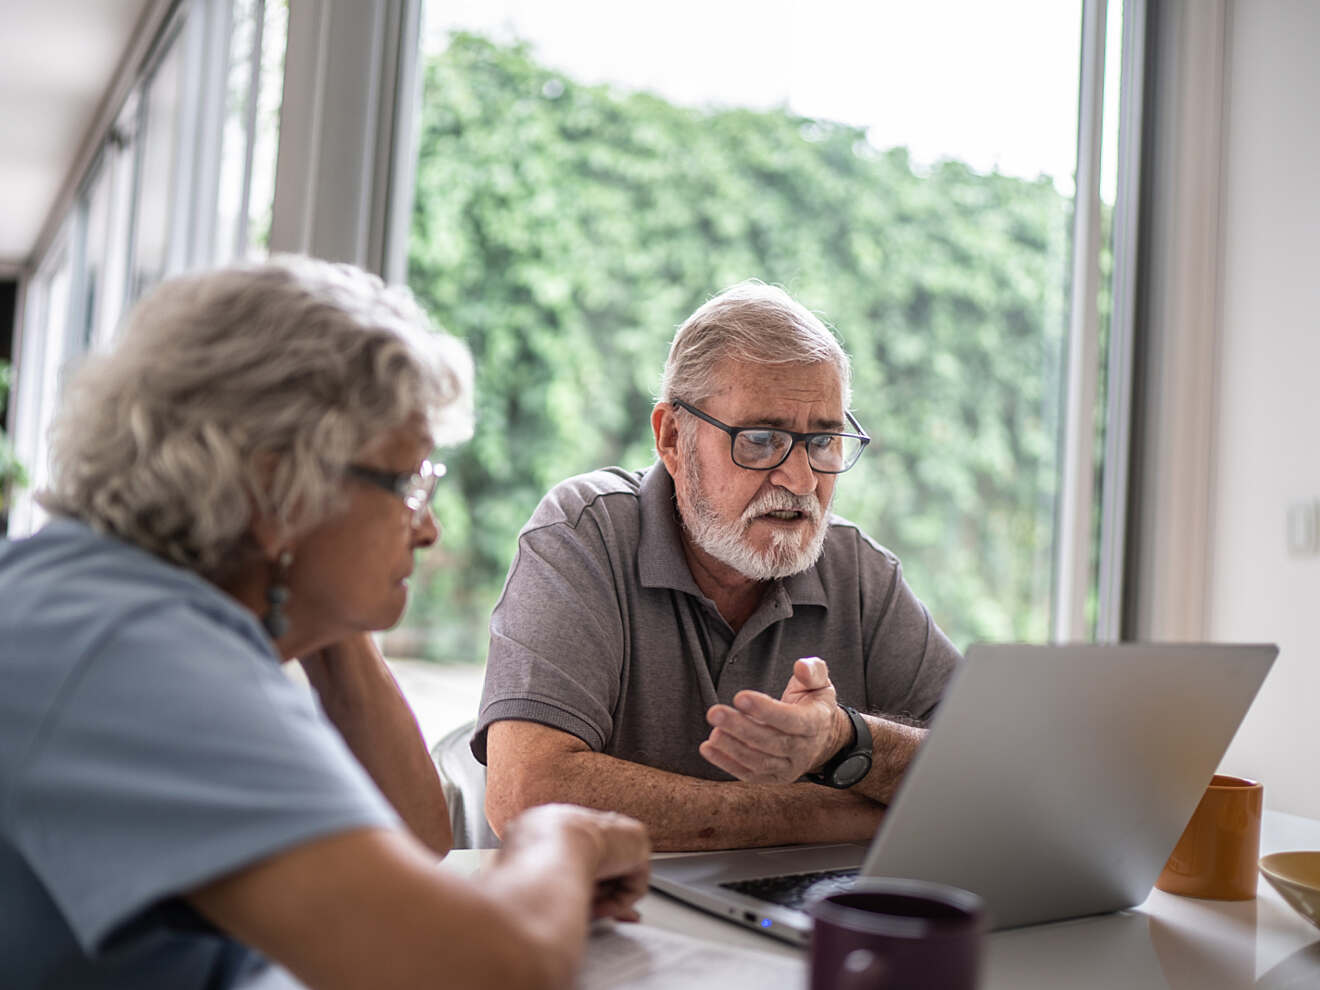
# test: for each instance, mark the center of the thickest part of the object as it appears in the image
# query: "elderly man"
(702, 645)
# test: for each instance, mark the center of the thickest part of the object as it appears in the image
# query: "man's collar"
(660, 559)
(805, 587)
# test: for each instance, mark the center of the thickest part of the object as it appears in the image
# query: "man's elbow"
(528, 764)
(501, 806)
(511, 790)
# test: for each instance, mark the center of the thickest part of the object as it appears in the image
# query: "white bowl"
(1296, 875)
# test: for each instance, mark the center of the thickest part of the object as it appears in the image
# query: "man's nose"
(795, 474)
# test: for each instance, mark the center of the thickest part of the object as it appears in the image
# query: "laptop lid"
(1057, 779)
(1055, 782)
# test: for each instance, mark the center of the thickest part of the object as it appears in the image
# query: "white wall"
(1267, 430)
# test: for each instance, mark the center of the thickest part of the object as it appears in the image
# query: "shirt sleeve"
(175, 754)
(557, 637)
(911, 659)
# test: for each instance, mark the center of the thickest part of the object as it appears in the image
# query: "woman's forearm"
(364, 701)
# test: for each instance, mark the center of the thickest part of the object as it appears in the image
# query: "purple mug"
(893, 934)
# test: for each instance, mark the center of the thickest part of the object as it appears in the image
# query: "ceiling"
(57, 59)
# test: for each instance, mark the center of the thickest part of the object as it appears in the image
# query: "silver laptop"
(1055, 782)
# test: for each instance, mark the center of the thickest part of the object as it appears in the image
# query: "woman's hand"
(613, 850)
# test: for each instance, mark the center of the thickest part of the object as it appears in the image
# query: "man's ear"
(664, 424)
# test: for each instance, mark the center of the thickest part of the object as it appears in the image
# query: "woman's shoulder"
(72, 567)
(69, 593)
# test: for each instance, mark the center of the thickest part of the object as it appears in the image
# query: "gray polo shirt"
(602, 631)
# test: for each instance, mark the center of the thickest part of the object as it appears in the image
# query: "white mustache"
(779, 500)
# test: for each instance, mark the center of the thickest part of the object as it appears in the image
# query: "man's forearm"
(688, 813)
(893, 745)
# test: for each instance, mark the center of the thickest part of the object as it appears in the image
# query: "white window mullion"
(1077, 469)
(1122, 328)
(350, 71)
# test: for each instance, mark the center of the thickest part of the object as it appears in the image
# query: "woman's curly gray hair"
(247, 388)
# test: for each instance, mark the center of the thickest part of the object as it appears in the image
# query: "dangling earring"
(277, 594)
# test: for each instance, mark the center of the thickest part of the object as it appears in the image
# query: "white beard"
(727, 541)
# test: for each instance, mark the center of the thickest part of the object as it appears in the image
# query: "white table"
(1167, 943)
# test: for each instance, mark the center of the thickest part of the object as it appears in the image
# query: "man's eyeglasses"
(762, 448)
(415, 488)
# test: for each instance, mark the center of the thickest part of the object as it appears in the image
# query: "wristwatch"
(849, 765)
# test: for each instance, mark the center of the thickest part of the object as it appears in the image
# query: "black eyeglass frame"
(798, 438)
(416, 488)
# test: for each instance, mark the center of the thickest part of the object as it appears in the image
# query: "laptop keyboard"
(795, 889)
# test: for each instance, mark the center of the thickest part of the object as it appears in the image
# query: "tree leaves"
(565, 230)
(11, 471)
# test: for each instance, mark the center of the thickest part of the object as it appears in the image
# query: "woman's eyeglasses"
(416, 488)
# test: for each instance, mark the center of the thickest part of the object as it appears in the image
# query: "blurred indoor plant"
(11, 471)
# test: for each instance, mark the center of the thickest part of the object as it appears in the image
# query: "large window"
(587, 173)
(184, 176)
(590, 172)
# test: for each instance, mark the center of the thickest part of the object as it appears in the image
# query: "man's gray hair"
(750, 322)
(249, 388)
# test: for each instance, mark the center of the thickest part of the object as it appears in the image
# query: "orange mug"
(1217, 854)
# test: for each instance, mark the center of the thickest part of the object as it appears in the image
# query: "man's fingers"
(812, 672)
(767, 739)
(716, 756)
(794, 719)
(752, 763)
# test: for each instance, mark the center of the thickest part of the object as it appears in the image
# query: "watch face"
(852, 770)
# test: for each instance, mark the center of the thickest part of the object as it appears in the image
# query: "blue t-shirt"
(149, 743)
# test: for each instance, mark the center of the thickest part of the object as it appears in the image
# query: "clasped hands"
(764, 741)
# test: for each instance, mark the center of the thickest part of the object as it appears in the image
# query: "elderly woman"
(245, 481)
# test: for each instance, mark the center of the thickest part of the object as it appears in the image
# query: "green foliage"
(11, 471)
(565, 230)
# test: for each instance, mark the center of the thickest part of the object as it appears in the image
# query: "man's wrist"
(842, 735)
(853, 761)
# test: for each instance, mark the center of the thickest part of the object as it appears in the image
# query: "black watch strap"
(852, 763)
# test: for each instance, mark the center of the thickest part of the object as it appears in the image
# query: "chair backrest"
(464, 782)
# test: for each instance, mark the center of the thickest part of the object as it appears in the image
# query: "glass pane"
(252, 107)
(231, 217)
(590, 172)
(265, 139)
(158, 144)
(119, 158)
(36, 392)
(98, 200)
